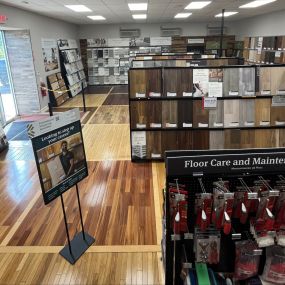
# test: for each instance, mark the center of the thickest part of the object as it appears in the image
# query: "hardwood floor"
(121, 206)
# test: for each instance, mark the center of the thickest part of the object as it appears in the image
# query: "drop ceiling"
(159, 11)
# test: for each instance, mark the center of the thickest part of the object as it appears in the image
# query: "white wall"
(147, 30)
(272, 24)
(40, 27)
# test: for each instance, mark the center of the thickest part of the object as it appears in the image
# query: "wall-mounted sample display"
(262, 112)
(216, 115)
(278, 80)
(200, 115)
(247, 81)
(247, 113)
(217, 140)
(265, 81)
(169, 114)
(231, 82)
(231, 113)
(71, 66)
(185, 113)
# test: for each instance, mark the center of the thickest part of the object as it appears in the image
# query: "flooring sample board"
(247, 113)
(200, 82)
(216, 116)
(277, 116)
(217, 139)
(185, 113)
(266, 138)
(265, 81)
(169, 141)
(137, 83)
(262, 112)
(154, 113)
(281, 136)
(153, 142)
(176, 81)
(280, 43)
(231, 113)
(232, 139)
(247, 81)
(139, 114)
(200, 115)
(200, 139)
(185, 140)
(169, 114)
(153, 81)
(278, 80)
(247, 139)
(231, 82)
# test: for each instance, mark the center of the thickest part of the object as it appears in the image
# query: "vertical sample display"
(200, 82)
(231, 113)
(139, 115)
(231, 81)
(232, 139)
(139, 145)
(177, 82)
(185, 113)
(262, 112)
(59, 153)
(154, 113)
(169, 114)
(265, 80)
(247, 81)
(247, 113)
(217, 140)
(216, 116)
(153, 141)
(278, 80)
(200, 115)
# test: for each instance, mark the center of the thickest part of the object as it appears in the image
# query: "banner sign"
(59, 153)
(222, 163)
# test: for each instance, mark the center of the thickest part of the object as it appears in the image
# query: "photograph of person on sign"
(61, 160)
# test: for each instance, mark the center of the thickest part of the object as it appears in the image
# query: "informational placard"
(278, 101)
(50, 54)
(216, 82)
(160, 41)
(119, 42)
(139, 42)
(139, 144)
(67, 44)
(59, 153)
(210, 103)
(196, 41)
(98, 42)
(200, 82)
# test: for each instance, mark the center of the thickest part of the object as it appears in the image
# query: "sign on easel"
(59, 153)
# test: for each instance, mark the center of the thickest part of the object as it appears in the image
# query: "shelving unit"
(71, 66)
(59, 93)
(246, 115)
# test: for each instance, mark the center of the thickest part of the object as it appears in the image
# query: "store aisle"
(121, 203)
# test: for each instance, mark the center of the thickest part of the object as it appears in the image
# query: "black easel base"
(78, 247)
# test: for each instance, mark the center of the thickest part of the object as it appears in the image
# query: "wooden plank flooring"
(121, 206)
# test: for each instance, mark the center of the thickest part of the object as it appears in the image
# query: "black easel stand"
(83, 97)
(80, 243)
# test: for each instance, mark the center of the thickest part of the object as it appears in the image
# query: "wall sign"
(59, 153)
(50, 54)
(160, 41)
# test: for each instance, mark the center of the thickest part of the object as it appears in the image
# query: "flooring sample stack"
(247, 113)
(200, 115)
(262, 112)
(216, 116)
(176, 81)
(154, 113)
(246, 81)
(231, 81)
(231, 113)
(185, 113)
(169, 114)
(217, 140)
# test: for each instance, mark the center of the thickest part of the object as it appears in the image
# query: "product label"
(187, 125)
(155, 125)
(280, 92)
(201, 125)
(278, 123)
(187, 94)
(249, 93)
(171, 94)
(218, 125)
(141, 126)
(233, 93)
(265, 92)
(155, 155)
(154, 94)
(140, 95)
(249, 124)
(264, 123)
(169, 125)
(234, 124)
(210, 102)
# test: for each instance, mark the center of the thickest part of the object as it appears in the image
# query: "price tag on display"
(209, 102)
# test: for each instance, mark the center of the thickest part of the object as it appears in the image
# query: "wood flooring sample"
(265, 80)
(231, 81)
(247, 113)
(185, 113)
(262, 111)
(247, 139)
(216, 116)
(169, 114)
(200, 115)
(137, 83)
(277, 115)
(153, 144)
(266, 138)
(169, 140)
(139, 113)
(232, 139)
(154, 112)
(246, 81)
(217, 140)
(153, 81)
(185, 140)
(277, 80)
(231, 113)
(201, 140)
(281, 136)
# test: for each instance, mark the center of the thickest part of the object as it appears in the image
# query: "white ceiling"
(159, 11)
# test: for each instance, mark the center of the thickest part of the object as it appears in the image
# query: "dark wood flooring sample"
(185, 140)
(201, 139)
(169, 113)
(232, 139)
(185, 112)
(200, 115)
(153, 143)
(139, 113)
(154, 112)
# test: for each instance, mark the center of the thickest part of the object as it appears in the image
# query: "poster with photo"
(200, 82)
(59, 153)
(50, 54)
(67, 44)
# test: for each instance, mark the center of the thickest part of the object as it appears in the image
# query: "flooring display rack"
(198, 172)
(165, 113)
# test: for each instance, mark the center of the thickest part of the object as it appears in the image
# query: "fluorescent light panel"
(197, 5)
(139, 16)
(96, 18)
(226, 14)
(257, 3)
(182, 15)
(78, 8)
(137, 6)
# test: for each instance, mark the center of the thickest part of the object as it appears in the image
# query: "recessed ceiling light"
(226, 14)
(256, 3)
(139, 16)
(78, 8)
(197, 5)
(138, 6)
(182, 15)
(96, 18)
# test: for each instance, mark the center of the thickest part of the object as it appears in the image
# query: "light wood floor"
(121, 206)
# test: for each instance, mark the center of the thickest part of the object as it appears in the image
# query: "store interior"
(155, 127)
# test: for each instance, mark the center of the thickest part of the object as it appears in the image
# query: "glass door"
(8, 109)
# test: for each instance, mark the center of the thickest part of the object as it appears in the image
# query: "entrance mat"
(17, 131)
